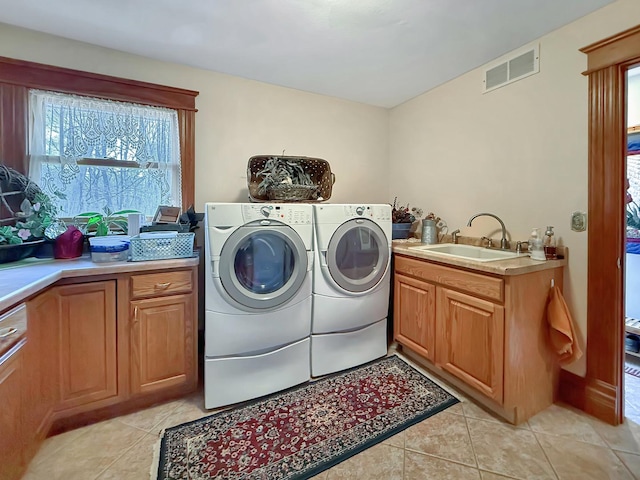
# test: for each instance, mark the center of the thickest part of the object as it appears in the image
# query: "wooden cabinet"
(486, 333)
(96, 346)
(414, 315)
(42, 352)
(471, 340)
(87, 352)
(12, 433)
(162, 343)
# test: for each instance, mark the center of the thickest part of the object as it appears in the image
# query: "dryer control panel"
(285, 213)
(373, 212)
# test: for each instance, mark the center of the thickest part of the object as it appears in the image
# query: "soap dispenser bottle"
(550, 244)
(536, 247)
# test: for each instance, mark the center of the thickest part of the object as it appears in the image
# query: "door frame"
(600, 393)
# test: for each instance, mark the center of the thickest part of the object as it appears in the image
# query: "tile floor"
(462, 442)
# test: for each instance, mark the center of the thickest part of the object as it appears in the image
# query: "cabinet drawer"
(475, 284)
(157, 284)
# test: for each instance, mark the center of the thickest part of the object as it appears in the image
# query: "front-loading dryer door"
(358, 255)
(263, 264)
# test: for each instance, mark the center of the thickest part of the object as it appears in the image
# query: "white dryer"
(351, 282)
(258, 298)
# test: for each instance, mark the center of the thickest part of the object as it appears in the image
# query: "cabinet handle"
(5, 332)
(135, 315)
(163, 286)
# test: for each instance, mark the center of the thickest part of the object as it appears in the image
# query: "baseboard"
(595, 397)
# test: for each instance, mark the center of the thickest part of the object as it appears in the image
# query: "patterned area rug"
(300, 432)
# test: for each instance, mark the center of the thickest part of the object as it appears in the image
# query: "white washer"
(258, 299)
(351, 278)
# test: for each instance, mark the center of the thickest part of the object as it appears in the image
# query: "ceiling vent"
(523, 63)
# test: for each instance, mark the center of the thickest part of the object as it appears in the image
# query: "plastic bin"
(161, 246)
(112, 248)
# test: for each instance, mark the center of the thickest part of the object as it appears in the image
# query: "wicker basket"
(292, 193)
(317, 168)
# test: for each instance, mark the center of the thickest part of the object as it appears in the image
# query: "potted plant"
(285, 179)
(104, 223)
(32, 221)
(402, 218)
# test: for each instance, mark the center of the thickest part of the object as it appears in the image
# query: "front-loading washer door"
(358, 255)
(263, 264)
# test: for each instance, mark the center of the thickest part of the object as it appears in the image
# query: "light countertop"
(19, 282)
(510, 266)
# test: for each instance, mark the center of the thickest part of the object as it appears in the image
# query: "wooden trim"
(612, 51)
(633, 129)
(602, 401)
(49, 77)
(596, 398)
(608, 62)
(187, 129)
(13, 126)
(571, 389)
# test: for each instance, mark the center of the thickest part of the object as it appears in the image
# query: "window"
(104, 153)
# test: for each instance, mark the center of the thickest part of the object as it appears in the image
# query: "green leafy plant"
(32, 220)
(280, 170)
(103, 222)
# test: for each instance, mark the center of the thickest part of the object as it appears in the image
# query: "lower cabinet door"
(163, 343)
(12, 430)
(470, 343)
(88, 355)
(414, 315)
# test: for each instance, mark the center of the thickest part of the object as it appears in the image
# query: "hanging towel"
(562, 331)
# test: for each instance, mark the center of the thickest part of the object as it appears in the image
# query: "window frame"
(18, 76)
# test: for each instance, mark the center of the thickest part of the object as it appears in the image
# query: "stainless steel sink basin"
(468, 252)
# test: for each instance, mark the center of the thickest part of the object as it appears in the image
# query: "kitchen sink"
(468, 252)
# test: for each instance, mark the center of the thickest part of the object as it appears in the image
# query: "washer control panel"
(288, 214)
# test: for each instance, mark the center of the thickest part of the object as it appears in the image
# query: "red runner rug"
(300, 432)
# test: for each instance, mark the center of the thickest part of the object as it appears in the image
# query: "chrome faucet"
(504, 243)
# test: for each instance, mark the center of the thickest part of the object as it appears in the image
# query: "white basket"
(162, 247)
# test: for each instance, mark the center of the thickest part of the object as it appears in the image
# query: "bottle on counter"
(536, 247)
(550, 244)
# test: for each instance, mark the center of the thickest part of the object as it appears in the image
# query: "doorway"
(632, 250)
(600, 393)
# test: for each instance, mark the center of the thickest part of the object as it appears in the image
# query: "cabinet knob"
(163, 286)
(135, 315)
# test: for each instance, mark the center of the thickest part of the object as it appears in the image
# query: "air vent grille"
(524, 63)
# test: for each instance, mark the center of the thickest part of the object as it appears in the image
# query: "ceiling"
(378, 52)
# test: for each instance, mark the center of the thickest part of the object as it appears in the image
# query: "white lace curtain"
(102, 153)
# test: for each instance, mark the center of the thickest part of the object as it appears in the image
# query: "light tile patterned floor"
(463, 442)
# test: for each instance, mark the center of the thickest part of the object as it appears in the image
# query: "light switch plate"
(578, 221)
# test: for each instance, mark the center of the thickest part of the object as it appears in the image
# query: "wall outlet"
(578, 221)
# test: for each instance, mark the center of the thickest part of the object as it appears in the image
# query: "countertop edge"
(507, 267)
(41, 276)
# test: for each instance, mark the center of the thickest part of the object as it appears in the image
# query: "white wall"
(519, 152)
(239, 118)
